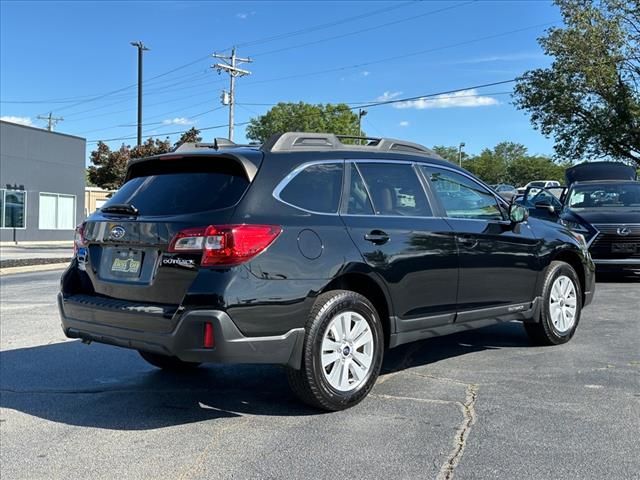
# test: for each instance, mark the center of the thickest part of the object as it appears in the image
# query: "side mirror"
(546, 205)
(518, 213)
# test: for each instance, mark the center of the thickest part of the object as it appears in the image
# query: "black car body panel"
(341, 222)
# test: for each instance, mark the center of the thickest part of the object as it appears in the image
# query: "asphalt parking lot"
(481, 404)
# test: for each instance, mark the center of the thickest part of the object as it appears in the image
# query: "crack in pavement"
(460, 440)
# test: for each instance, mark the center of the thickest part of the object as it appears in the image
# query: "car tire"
(165, 362)
(342, 352)
(561, 306)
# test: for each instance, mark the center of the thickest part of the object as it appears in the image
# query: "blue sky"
(70, 56)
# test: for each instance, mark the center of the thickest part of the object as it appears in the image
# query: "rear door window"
(182, 187)
(395, 189)
(316, 188)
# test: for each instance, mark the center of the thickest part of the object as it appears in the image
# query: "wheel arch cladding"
(368, 288)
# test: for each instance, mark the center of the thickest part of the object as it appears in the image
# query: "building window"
(13, 208)
(57, 212)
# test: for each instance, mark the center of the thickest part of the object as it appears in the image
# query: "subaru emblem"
(624, 231)
(117, 233)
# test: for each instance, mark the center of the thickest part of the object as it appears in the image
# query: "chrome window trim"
(499, 200)
(293, 173)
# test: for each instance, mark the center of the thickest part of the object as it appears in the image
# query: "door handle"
(377, 237)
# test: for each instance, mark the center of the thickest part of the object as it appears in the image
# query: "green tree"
(109, 167)
(303, 117)
(151, 147)
(190, 136)
(450, 154)
(509, 162)
(529, 168)
(588, 99)
(492, 165)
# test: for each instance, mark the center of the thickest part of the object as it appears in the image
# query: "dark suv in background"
(314, 254)
(602, 203)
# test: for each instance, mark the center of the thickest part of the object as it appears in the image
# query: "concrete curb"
(33, 268)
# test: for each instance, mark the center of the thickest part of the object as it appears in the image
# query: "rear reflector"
(209, 340)
(225, 244)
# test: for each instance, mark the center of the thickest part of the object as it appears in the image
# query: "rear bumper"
(179, 335)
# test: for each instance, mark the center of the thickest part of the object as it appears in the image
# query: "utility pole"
(230, 66)
(51, 120)
(141, 48)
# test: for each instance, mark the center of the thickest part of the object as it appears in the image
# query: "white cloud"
(387, 96)
(404, 123)
(366, 73)
(464, 98)
(178, 121)
(244, 15)
(19, 120)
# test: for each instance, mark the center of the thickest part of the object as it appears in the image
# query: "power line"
(362, 64)
(356, 32)
(95, 97)
(406, 55)
(325, 25)
(367, 105)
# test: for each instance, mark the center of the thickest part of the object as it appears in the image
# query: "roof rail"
(302, 141)
(217, 144)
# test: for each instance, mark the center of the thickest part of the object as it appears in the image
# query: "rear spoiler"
(248, 164)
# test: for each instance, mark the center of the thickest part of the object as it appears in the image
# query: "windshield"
(605, 196)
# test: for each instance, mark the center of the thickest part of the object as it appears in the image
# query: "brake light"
(78, 239)
(225, 244)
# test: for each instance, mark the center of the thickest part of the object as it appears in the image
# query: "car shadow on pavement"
(112, 388)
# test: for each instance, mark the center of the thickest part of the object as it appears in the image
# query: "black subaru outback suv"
(314, 254)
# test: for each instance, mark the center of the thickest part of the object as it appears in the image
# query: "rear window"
(182, 187)
(316, 188)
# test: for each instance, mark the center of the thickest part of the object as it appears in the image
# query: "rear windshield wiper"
(123, 208)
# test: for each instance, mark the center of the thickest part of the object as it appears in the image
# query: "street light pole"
(361, 113)
(460, 147)
(141, 48)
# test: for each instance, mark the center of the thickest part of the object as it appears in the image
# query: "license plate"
(623, 248)
(127, 263)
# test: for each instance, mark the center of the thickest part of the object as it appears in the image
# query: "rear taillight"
(78, 239)
(225, 244)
